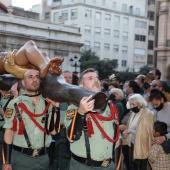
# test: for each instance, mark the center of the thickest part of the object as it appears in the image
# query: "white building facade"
(114, 29)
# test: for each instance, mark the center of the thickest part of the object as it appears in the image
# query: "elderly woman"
(117, 97)
(138, 134)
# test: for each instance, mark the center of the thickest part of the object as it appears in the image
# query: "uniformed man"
(28, 124)
(62, 155)
(5, 96)
(91, 134)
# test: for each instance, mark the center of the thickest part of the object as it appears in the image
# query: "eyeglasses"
(154, 85)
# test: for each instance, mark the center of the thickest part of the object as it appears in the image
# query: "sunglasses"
(154, 85)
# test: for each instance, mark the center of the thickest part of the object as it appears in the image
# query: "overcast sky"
(26, 4)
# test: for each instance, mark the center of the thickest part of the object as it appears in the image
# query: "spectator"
(138, 134)
(67, 76)
(162, 112)
(133, 87)
(160, 154)
(158, 84)
(156, 72)
(148, 80)
(117, 96)
(140, 79)
(112, 85)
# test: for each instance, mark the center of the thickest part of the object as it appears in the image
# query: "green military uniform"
(35, 135)
(3, 101)
(101, 148)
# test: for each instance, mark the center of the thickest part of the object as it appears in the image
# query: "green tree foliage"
(125, 75)
(144, 70)
(89, 59)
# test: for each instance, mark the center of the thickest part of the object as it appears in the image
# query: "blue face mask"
(124, 90)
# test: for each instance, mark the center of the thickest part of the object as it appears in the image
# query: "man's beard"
(33, 90)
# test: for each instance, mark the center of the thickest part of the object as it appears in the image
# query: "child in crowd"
(160, 154)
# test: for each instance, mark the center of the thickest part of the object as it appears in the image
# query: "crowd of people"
(131, 131)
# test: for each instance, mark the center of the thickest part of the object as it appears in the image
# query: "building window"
(150, 59)
(125, 21)
(106, 46)
(107, 17)
(116, 33)
(98, 15)
(124, 63)
(131, 9)
(124, 49)
(151, 15)
(87, 29)
(140, 37)
(151, 30)
(96, 46)
(125, 35)
(150, 45)
(107, 31)
(88, 14)
(116, 19)
(114, 5)
(47, 15)
(98, 30)
(87, 45)
(116, 62)
(115, 48)
(140, 24)
(55, 16)
(65, 15)
(137, 11)
(74, 13)
(151, 2)
(138, 51)
(49, 2)
(124, 7)
(103, 2)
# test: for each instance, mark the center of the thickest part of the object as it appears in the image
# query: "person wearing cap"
(158, 84)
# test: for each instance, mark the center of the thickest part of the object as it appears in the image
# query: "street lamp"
(75, 62)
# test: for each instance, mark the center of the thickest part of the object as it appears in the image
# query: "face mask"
(124, 90)
(160, 107)
(112, 97)
(146, 85)
(135, 109)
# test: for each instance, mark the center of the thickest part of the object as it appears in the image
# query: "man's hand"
(86, 105)
(14, 89)
(54, 103)
(6, 167)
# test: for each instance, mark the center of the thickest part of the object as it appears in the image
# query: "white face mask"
(128, 105)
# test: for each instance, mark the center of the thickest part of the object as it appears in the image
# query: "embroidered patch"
(70, 114)
(8, 112)
(7, 95)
